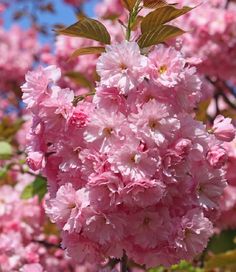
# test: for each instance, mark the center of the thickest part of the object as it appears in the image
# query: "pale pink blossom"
(122, 66)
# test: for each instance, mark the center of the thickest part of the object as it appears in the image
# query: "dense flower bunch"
(132, 163)
(212, 37)
(24, 245)
(18, 49)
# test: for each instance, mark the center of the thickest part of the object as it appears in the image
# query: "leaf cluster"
(154, 27)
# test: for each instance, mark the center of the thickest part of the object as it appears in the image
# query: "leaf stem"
(79, 98)
(132, 17)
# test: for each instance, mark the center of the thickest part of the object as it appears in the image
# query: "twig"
(124, 263)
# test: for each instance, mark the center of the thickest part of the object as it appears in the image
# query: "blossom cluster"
(18, 51)
(28, 241)
(211, 37)
(130, 170)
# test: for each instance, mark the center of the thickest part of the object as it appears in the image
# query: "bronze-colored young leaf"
(129, 4)
(87, 28)
(158, 35)
(153, 4)
(80, 79)
(88, 51)
(161, 16)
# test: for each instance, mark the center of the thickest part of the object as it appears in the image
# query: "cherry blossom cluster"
(211, 37)
(24, 245)
(18, 50)
(132, 170)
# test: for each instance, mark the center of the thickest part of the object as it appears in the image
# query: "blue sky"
(64, 15)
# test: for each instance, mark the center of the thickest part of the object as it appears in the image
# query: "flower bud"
(223, 129)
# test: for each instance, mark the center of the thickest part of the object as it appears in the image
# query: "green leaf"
(80, 79)
(87, 28)
(6, 150)
(159, 35)
(161, 16)
(88, 50)
(153, 4)
(185, 266)
(157, 269)
(129, 4)
(221, 260)
(222, 242)
(3, 172)
(37, 187)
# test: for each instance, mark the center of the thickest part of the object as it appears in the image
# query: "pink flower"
(67, 207)
(37, 83)
(154, 121)
(194, 233)
(80, 248)
(122, 66)
(217, 156)
(143, 193)
(105, 191)
(209, 186)
(110, 226)
(61, 100)
(223, 129)
(36, 160)
(143, 224)
(132, 162)
(104, 128)
(166, 66)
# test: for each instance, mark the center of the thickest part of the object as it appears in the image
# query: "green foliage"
(154, 29)
(222, 242)
(183, 266)
(6, 150)
(87, 28)
(37, 187)
(158, 269)
(158, 35)
(88, 50)
(162, 15)
(3, 172)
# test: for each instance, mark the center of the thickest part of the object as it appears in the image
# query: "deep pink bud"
(223, 129)
(217, 156)
(36, 160)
